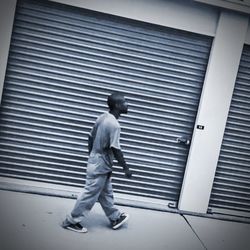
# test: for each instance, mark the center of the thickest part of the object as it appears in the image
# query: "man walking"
(104, 146)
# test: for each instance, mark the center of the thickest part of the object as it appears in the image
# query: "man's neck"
(115, 113)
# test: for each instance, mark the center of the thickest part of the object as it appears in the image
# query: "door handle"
(183, 140)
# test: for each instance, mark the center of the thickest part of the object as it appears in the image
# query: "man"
(103, 146)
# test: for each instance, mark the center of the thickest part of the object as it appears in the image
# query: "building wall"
(213, 111)
(218, 86)
(7, 12)
(247, 41)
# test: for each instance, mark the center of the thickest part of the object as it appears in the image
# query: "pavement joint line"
(194, 231)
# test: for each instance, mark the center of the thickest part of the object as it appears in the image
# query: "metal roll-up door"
(231, 188)
(63, 64)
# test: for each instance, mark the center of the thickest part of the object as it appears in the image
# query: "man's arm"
(121, 161)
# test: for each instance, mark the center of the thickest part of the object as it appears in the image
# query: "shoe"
(74, 227)
(119, 222)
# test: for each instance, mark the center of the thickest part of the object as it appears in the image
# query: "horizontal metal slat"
(86, 45)
(120, 58)
(30, 159)
(158, 188)
(238, 182)
(149, 105)
(228, 207)
(67, 174)
(240, 141)
(62, 153)
(91, 23)
(226, 163)
(137, 167)
(111, 39)
(35, 96)
(84, 134)
(80, 139)
(234, 204)
(15, 129)
(26, 49)
(49, 176)
(59, 141)
(117, 86)
(233, 157)
(155, 80)
(229, 174)
(16, 149)
(141, 173)
(138, 84)
(69, 156)
(129, 125)
(241, 149)
(231, 189)
(154, 68)
(232, 125)
(80, 144)
(57, 148)
(74, 179)
(39, 179)
(132, 192)
(233, 199)
(74, 130)
(93, 19)
(81, 184)
(63, 173)
(241, 111)
(234, 193)
(143, 137)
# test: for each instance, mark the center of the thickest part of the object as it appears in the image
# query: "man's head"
(117, 102)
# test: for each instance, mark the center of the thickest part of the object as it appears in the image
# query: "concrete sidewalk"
(32, 222)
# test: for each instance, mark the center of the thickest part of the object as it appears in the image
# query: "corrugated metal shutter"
(63, 64)
(231, 188)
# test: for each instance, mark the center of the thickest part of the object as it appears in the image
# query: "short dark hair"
(113, 99)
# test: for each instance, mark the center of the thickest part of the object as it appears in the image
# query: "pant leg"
(88, 197)
(106, 200)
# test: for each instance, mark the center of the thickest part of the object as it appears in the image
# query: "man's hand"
(121, 161)
(128, 173)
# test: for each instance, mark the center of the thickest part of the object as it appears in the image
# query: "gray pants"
(99, 188)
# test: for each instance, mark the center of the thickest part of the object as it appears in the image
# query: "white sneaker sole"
(122, 222)
(84, 230)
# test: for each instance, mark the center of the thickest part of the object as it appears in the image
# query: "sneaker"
(117, 223)
(65, 223)
(75, 227)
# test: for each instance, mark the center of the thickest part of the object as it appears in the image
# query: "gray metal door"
(63, 64)
(231, 188)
